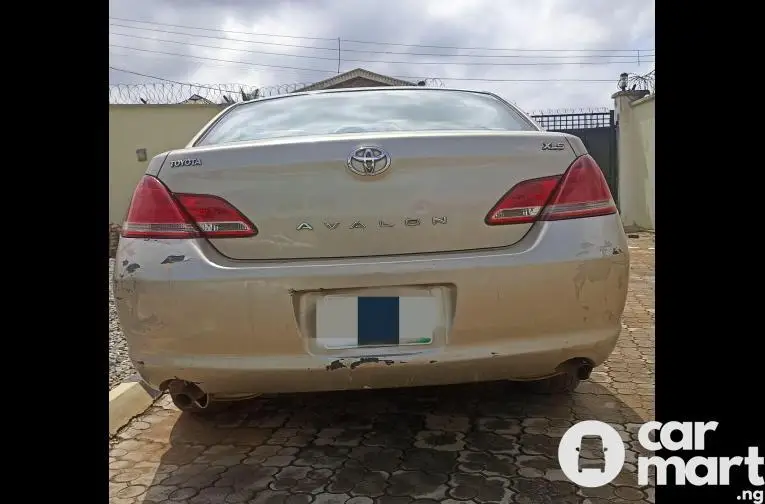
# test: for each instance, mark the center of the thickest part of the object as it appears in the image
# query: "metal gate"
(598, 133)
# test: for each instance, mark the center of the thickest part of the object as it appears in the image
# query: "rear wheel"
(564, 383)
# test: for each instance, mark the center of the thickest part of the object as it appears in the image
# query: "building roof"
(353, 74)
(196, 99)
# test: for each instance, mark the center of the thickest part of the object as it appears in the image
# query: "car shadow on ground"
(485, 442)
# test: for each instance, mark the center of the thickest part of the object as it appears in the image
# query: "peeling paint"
(335, 365)
(174, 259)
(608, 249)
(369, 360)
(130, 268)
(338, 364)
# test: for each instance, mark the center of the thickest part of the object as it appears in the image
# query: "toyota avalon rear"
(367, 238)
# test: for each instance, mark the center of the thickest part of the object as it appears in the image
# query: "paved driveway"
(470, 444)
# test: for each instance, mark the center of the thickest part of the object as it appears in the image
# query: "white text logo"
(587, 470)
(584, 471)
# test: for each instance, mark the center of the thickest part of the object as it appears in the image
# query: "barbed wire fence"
(166, 93)
(645, 82)
(171, 92)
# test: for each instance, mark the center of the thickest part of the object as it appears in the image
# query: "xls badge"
(553, 146)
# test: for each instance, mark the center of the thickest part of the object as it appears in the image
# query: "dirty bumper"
(247, 327)
(236, 375)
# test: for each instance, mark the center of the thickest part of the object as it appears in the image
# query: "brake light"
(157, 213)
(581, 192)
(524, 202)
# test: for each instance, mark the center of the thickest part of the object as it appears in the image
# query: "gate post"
(628, 154)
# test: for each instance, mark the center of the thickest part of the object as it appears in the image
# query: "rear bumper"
(237, 327)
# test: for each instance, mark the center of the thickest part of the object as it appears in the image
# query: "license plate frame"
(364, 320)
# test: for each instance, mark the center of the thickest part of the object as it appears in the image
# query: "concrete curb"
(128, 400)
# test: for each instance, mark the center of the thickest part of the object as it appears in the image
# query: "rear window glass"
(365, 111)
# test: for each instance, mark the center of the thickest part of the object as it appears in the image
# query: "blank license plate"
(354, 321)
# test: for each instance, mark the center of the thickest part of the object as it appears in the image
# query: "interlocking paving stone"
(464, 444)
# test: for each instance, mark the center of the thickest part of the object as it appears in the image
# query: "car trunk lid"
(307, 203)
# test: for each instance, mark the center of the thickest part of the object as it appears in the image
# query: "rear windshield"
(365, 111)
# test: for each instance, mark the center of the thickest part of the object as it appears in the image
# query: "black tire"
(559, 384)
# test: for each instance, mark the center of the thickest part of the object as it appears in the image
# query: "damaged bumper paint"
(237, 327)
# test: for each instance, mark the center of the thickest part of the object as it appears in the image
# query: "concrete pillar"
(631, 200)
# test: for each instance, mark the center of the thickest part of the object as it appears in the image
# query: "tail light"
(155, 212)
(580, 192)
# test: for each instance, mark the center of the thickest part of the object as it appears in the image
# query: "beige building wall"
(156, 128)
(637, 122)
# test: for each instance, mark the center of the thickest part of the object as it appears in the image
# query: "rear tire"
(560, 384)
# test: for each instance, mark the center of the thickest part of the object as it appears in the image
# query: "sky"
(538, 54)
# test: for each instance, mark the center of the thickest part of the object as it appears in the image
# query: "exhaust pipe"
(581, 368)
(188, 395)
(584, 370)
